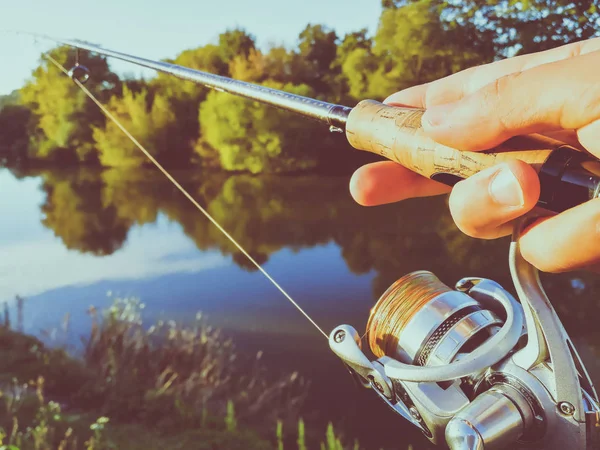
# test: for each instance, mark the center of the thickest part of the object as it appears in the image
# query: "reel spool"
(421, 321)
(474, 368)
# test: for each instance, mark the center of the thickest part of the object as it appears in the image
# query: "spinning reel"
(473, 367)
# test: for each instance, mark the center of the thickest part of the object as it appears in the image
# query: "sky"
(159, 29)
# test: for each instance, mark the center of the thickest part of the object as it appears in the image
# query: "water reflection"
(132, 231)
(93, 212)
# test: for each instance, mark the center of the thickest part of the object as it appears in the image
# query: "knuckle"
(583, 108)
(441, 92)
(497, 98)
(433, 94)
(449, 89)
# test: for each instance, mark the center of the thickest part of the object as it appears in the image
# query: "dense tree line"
(180, 122)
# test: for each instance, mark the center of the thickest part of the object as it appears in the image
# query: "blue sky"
(159, 29)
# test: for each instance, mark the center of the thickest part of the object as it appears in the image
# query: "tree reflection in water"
(92, 211)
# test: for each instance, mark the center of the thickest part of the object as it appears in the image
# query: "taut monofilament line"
(79, 70)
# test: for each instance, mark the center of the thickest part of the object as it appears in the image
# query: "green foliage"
(28, 357)
(301, 435)
(253, 137)
(235, 42)
(14, 120)
(332, 442)
(150, 121)
(11, 99)
(74, 209)
(317, 49)
(230, 421)
(64, 115)
(33, 423)
(411, 47)
(32, 416)
(207, 58)
(167, 375)
(184, 97)
(279, 434)
(97, 441)
(503, 28)
(349, 80)
(179, 122)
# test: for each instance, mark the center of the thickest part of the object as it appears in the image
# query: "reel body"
(474, 368)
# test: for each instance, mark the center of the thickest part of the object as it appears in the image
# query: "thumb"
(560, 95)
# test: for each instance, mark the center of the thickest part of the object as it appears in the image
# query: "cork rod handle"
(396, 134)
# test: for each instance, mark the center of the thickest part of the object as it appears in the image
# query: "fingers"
(484, 204)
(566, 136)
(461, 84)
(387, 182)
(560, 95)
(568, 241)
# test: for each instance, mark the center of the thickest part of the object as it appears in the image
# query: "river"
(79, 237)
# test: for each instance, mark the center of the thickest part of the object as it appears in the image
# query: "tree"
(64, 116)
(528, 26)
(412, 47)
(183, 96)
(147, 119)
(235, 42)
(75, 211)
(347, 84)
(14, 120)
(135, 195)
(508, 27)
(11, 99)
(251, 68)
(254, 137)
(281, 65)
(360, 75)
(207, 58)
(317, 48)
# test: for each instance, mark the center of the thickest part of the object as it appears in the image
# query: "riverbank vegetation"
(134, 387)
(416, 41)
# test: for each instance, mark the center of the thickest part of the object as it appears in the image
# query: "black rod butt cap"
(568, 178)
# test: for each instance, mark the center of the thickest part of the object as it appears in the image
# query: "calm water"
(72, 239)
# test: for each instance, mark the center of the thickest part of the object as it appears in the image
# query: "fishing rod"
(471, 367)
(568, 177)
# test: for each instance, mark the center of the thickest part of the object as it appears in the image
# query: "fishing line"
(183, 191)
(397, 307)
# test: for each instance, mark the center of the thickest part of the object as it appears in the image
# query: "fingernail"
(505, 189)
(437, 115)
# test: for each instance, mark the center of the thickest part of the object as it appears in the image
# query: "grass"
(166, 386)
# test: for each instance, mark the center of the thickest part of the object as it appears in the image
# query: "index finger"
(454, 87)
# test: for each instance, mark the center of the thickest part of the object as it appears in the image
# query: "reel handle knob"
(460, 435)
(494, 420)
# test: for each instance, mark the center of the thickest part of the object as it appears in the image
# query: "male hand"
(556, 93)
